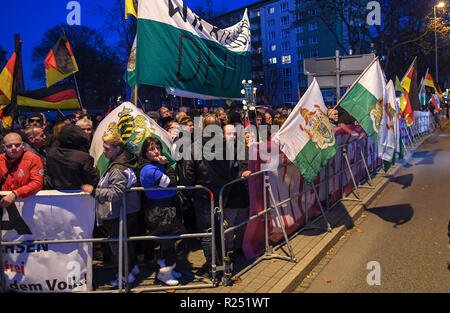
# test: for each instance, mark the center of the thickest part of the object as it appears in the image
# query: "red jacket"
(26, 178)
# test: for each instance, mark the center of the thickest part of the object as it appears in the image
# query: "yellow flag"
(397, 84)
(130, 8)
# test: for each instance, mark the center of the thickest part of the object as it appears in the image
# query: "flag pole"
(13, 104)
(409, 68)
(74, 75)
(78, 91)
(356, 81)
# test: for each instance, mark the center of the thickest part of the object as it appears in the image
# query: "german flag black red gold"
(60, 62)
(55, 97)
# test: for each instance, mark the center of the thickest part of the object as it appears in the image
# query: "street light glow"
(440, 4)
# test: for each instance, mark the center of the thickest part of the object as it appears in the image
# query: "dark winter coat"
(68, 167)
(239, 194)
(212, 174)
(159, 206)
(118, 176)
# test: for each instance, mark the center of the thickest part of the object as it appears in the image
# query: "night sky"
(32, 18)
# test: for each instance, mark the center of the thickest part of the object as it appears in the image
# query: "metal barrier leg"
(2, 270)
(355, 191)
(213, 244)
(120, 261)
(268, 253)
(125, 244)
(321, 208)
(280, 220)
(367, 171)
(226, 265)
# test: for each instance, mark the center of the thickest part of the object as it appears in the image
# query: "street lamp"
(439, 5)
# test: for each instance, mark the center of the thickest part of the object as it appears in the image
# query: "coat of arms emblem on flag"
(318, 127)
(376, 112)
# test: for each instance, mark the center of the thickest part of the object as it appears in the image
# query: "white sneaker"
(162, 263)
(165, 275)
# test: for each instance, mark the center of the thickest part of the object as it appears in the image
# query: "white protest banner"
(48, 215)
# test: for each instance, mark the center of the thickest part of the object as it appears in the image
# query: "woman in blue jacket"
(159, 206)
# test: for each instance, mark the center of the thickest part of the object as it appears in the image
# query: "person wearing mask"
(109, 193)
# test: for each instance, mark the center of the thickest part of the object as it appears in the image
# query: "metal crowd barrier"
(224, 264)
(123, 248)
(125, 239)
(227, 266)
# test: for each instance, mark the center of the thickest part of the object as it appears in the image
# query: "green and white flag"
(364, 100)
(307, 137)
(387, 132)
(133, 126)
(178, 50)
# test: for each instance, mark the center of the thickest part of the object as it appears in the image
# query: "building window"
(287, 97)
(314, 40)
(300, 68)
(286, 46)
(284, 20)
(271, 35)
(300, 42)
(284, 7)
(299, 29)
(256, 13)
(313, 26)
(271, 10)
(298, 15)
(284, 33)
(286, 59)
(300, 55)
(287, 71)
(271, 22)
(273, 60)
(314, 53)
(273, 47)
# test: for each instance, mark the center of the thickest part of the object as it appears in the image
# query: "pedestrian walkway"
(275, 275)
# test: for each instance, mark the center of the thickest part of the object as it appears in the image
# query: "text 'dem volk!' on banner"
(48, 215)
(178, 50)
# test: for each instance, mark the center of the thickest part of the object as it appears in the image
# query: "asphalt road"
(404, 230)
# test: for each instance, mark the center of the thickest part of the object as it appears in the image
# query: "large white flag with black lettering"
(178, 50)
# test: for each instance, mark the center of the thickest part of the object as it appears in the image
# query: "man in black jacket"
(69, 166)
(211, 173)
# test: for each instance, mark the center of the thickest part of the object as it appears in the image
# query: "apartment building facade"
(283, 34)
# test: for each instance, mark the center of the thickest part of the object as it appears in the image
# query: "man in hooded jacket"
(69, 166)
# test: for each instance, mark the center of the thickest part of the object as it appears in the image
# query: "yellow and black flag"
(60, 62)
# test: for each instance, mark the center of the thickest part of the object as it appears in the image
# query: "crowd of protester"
(41, 154)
